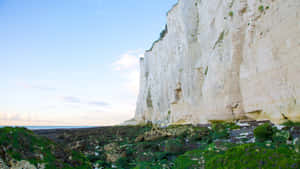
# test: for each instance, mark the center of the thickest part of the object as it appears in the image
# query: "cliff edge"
(223, 60)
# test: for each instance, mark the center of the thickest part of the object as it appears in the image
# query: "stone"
(139, 138)
(211, 66)
(113, 152)
(22, 164)
(3, 164)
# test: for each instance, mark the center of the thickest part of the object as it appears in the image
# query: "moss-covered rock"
(19, 144)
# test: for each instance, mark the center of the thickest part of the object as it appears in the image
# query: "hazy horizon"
(74, 63)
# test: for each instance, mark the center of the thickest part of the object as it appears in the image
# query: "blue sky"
(74, 62)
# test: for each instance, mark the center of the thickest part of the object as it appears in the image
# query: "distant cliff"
(223, 60)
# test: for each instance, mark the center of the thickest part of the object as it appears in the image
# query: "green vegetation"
(264, 132)
(23, 144)
(213, 146)
(230, 13)
(221, 129)
(162, 34)
(206, 71)
(149, 99)
(220, 39)
(254, 156)
(240, 156)
(261, 8)
(290, 123)
(172, 146)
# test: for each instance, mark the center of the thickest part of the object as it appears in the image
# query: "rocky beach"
(234, 145)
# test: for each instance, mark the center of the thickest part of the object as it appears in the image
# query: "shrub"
(261, 8)
(281, 136)
(230, 13)
(263, 132)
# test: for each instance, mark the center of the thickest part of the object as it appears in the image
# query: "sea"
(51, 127)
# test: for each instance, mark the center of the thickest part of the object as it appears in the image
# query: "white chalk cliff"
(223, 60)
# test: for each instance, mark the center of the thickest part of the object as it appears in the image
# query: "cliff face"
(223, 60)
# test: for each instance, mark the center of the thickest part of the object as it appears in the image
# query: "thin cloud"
(71, 99)
(16, 117)
(128, 60)
(128, 66)
(78, 100)
(44, 88)
(38, 87)
(99, 103)
(3, 116)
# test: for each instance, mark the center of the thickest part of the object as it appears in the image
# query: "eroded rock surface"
(223, 60)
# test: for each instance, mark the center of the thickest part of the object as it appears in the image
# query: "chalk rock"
(223, 60)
